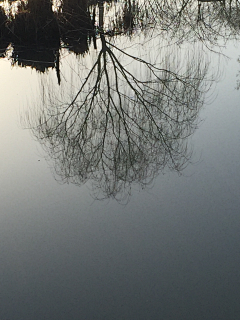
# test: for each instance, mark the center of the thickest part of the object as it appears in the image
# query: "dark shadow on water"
(35, 57)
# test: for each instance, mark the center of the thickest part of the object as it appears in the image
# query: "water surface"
(165, 250)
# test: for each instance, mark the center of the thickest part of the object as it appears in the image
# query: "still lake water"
(171, 251)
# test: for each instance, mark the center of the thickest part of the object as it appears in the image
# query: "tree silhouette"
(124, 125)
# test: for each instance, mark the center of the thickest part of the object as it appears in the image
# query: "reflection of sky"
(19, 151)
(171, 253)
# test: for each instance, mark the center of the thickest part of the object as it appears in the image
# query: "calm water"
(170, 250)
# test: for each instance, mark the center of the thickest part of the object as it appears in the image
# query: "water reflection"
(125, 118)
(125, 124)
(42, 26)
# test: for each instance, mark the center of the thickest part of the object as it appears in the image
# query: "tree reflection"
(73, 24)
(125, 124)
(207, 21)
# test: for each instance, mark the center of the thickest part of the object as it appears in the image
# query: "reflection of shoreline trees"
(124, 125)
(74, 24)
(207, 21)
(34, 23)
(129, 118)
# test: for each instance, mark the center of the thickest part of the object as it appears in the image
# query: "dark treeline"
(36, 31)
(35, 22)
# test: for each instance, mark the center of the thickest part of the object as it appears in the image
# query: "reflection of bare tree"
(208, 21)
(123, 125)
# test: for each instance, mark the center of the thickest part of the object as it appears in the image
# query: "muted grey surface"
(171, 252)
